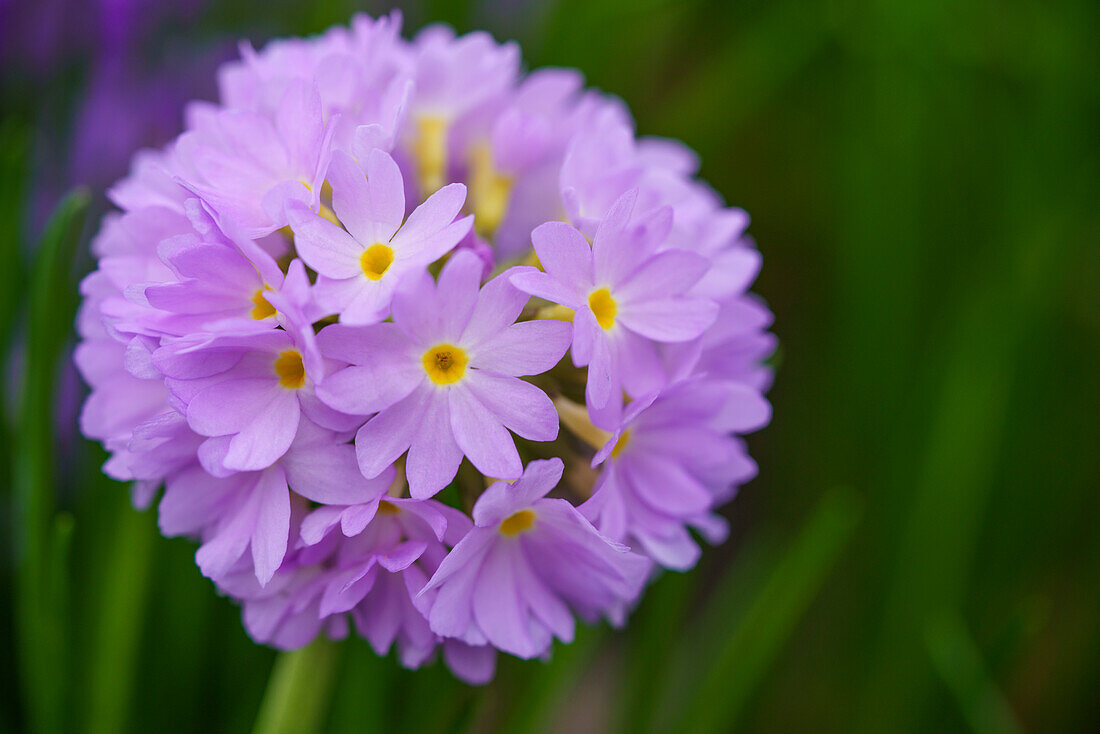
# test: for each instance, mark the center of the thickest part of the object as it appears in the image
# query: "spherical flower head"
(332, 321)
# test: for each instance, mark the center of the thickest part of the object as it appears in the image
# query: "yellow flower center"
(262, 309)
(518, 523)
(376, 260)
(388, 508)
(445, 364)
(289, 368)
(621, 444)
(430, 151)
(603, 307)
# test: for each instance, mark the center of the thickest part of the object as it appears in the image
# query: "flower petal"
(457, 288)
(370, 206)
(519, 405)
(260, 444)
(474, 664)
(499, 612)
(564, 253)
(614, 253)
(669, 319)
(482, 437)
(431, 217)
(502, 499)
(542, 285)
(269, 539)
(327, 473)
(326, 248)
(389, 434)
(434, 455)
(526, 348)
(667, 273)
(499, 304)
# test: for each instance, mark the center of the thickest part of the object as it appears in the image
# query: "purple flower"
(285, 612)
(361, 77)
(625, 298)
(247, 391)
(118, 412)
(443, 378)
(252, 510)
(669, 462)
(392, 547)
(454, 77)
(529, 560)
(295, 274)
(361, 267)
(218, 288)
(248, 166)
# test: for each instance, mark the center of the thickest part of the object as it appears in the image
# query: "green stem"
(119, 616)
(298, 692)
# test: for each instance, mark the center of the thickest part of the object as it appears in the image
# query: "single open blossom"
(329, 326)
(665, 466)
(443, 378)
(219, 288)
(249, 166)
(360, 268)
(246, 392)
(393, 546)
(529, 560)
(625, 296)
(454, 77)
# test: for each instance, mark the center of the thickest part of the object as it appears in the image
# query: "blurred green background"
(920, 551)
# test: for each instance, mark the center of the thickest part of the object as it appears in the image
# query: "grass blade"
(41, 603)
(122, 599)
(959, 662)
(652, 641)
(742, 658)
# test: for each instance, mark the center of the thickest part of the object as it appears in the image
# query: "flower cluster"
(419, 343)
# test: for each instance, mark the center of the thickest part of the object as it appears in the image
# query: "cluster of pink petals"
(347, 315)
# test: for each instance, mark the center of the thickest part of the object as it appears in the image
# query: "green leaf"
(120, 599)
(743, 656)
(40, 544)
(959, 662)
(652, 641)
